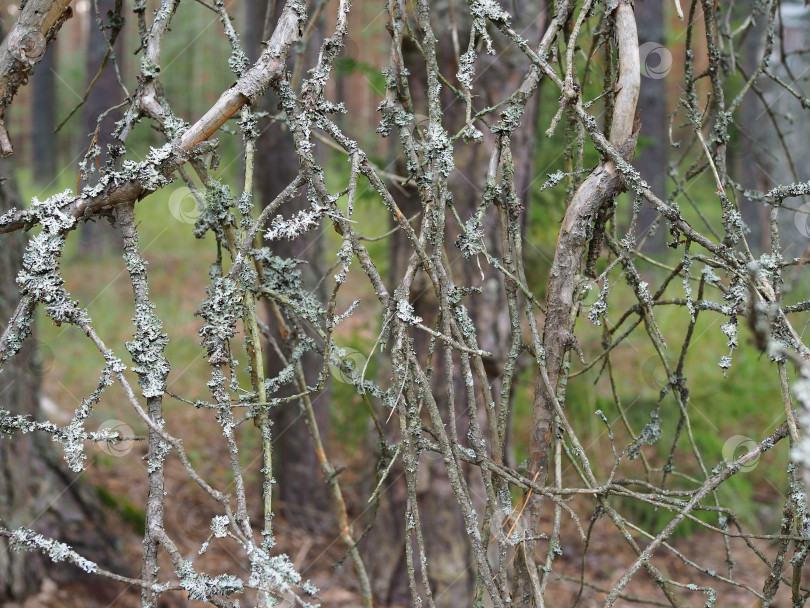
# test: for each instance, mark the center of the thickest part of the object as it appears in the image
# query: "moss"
(120, 504)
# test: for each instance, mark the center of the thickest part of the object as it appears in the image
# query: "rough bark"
(20, 573)
(24, 48)
(749, 152)
(597, 191)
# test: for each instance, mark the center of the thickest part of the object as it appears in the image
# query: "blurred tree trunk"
(451, 577)
(20, 573)
(98, 236)
(43, 108)
(749, 153)
(36, 489)
(651, 159)
(302, 490)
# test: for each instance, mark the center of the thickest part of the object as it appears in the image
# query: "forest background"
(53, 125)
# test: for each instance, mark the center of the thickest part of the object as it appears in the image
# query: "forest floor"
(316, 555)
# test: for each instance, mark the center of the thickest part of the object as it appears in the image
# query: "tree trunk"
(43, 108)
(749, 151)
(651, 162)
(98, 236)
(20, 573)
(303, 492)
(37, 491)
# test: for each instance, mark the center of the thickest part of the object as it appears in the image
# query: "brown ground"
(315, 554)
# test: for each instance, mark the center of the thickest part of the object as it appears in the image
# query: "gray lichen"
(27, 540)
(649, 435)
(405, 313)
(598, 310)
(147, 351)
(221, 310)
(276, 573)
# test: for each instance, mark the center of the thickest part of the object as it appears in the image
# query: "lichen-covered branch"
(23, 48)
(494, 307)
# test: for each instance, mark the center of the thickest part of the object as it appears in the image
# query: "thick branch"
(115, 193)
(248, 88)
(598, 190)
(24, 48)
(255, 81)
